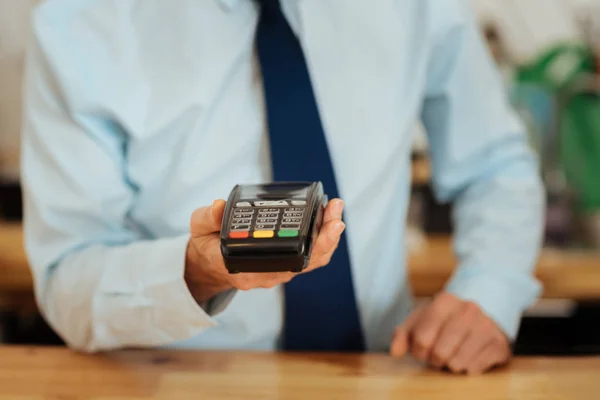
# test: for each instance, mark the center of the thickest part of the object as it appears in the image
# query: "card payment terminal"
(271, 227)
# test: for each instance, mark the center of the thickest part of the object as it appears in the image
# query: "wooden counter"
(564, 274)
(14, 271)
(421, 172)
(16, 283)
(57, 373)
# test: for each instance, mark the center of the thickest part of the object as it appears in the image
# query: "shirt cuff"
(171, 272)
(161, 308)
(503, 298)
(219, 303)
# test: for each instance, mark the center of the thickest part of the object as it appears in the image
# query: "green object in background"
(558, 68)
(579, 147)
(563, 72)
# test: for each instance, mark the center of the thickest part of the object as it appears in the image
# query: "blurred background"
(548, 52)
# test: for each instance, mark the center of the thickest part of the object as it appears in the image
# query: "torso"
(181, 79)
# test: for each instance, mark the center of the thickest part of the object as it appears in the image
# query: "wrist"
(203, 283)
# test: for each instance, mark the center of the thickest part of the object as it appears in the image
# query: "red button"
(239, 235)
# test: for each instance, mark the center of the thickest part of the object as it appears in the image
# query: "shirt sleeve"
(482, 162)
(101, 281)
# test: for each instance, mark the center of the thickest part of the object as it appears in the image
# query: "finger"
(473, 345)
(443, 308)
(207, 220)
(260, 280)
(329, 235)
(276, 280)
(326, 244)
(491, 356)
(401, 340)
(333, 211)
(453, 334)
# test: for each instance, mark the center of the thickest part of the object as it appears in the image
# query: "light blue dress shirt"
(140, 111)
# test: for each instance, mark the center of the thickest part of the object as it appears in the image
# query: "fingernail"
(339, 228)
(340, 206)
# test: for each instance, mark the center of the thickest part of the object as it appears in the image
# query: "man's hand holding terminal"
(205, 271)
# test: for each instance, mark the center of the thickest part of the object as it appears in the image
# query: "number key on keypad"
(291, 220)
(268, 210)
(289, 226)
(240, 227)
(241, 221)
(264, 227)
(266, 220)
(293, 215)
(242, 216)
(269, 215)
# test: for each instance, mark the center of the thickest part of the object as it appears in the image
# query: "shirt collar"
(229, 4)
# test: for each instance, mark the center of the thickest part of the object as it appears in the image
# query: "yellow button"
(263, 234)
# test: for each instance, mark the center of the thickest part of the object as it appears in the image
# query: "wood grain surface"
(564, 274)
(57, 373)
(14, 270)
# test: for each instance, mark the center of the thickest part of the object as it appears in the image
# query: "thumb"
(401, 340)
(207, 220)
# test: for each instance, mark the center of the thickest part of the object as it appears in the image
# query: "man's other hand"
(454, 334)
(205, 271)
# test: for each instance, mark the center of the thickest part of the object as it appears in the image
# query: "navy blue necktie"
(320, 307)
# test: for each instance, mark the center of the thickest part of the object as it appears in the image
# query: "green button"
(288, 233)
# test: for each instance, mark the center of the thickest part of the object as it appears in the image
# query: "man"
(140, 112)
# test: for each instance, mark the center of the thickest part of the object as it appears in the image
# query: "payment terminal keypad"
(267, 219)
